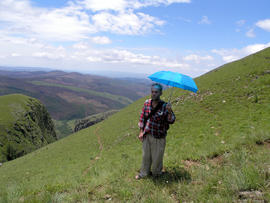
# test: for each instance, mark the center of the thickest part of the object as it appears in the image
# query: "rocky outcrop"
(85, 123)
(92, 120)
(30, 128)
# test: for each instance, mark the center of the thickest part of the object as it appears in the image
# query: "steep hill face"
(216, 151)
(25, 125)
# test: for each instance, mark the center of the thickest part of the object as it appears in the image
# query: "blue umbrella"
(175, 80)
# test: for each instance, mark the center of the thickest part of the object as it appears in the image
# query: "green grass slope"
(25, 125)
(217, 150)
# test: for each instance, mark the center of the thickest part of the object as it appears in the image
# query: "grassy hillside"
(217, 151)
(25, 125)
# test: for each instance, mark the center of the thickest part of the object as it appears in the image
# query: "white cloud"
(48, 55)
(204, 20)
(80, 46)
(65, 24)
(167, 2)
(122, 56)
(125, 23)
(124, 5)
(74, 22)
(101, 40)
(229, 58)
(264, 24)
(197, 59)
(94, 59)
(229, 55)
(211, 65)
(82, 55)
(240, 22)
(15, 54)
(250, 33)
(184, 19)
(251, 49)
(101, 5)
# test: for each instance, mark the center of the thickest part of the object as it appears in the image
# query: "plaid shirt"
(158, 124)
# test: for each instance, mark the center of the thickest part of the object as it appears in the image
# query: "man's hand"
(169, 107)
(141, 136)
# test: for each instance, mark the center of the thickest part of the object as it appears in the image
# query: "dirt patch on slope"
(251, 196)
(190, 163)
(93, 160)
(265, 143)
(217, 160)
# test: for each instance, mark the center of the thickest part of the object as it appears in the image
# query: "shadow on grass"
(172, 175)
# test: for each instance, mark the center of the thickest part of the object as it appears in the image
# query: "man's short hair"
(157, 86)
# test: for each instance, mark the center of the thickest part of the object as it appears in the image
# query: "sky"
(131, 36)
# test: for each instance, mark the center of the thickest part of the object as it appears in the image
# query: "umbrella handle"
(171, 95)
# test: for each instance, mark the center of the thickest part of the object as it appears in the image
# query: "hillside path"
(99, 154)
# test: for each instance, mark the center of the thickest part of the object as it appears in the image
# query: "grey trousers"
(153, 151)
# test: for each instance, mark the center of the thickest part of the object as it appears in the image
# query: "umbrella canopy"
(175, 80)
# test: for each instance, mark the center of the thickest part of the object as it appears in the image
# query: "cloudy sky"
(133, 36)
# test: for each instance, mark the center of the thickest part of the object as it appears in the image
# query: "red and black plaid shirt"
(158, 124)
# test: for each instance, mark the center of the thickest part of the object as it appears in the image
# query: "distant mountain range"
(73, 95)
(104, 73)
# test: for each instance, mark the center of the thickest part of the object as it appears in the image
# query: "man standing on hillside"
(154, 122)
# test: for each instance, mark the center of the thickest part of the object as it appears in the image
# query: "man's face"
(155, 93)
